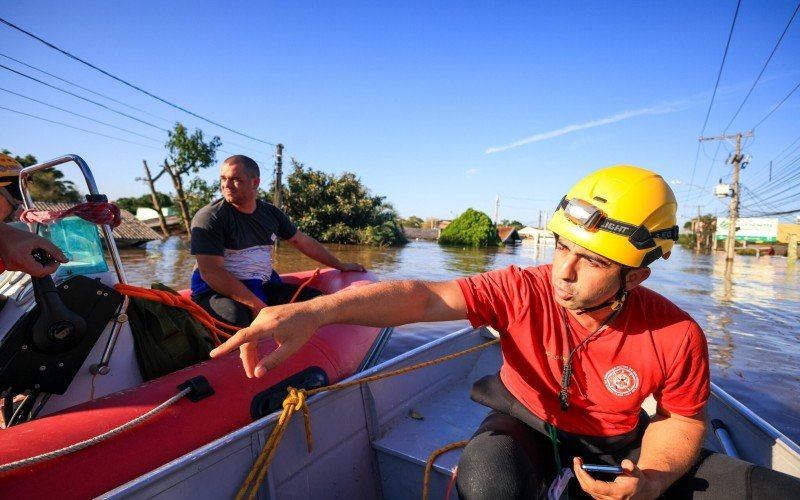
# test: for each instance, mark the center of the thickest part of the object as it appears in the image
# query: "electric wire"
(79, 128)
(763, 68)
(714, 93)
(111, 99)
(124, 82)
(83, 98)
(722, 65)
(78, 114)
(84, 88)
(777, 106)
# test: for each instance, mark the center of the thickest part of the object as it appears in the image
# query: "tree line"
(331, 208)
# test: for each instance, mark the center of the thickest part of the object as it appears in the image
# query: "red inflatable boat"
(225, 400)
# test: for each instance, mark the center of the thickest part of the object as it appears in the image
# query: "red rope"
(92, 211)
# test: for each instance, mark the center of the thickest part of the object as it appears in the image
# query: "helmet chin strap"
(619, 299)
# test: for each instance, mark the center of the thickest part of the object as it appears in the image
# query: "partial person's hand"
(352, 266)
(287, 325)
(631, 484)
(16, 250)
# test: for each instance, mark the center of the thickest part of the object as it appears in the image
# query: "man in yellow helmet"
(9, 189)
(583, 346)
(16, 245)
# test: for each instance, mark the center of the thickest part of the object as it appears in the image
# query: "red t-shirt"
(653, 347)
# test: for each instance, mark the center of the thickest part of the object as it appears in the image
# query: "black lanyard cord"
(566, 373)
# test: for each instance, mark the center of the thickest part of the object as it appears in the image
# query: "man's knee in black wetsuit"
(505, 459)
(225, 309)
(719, 476)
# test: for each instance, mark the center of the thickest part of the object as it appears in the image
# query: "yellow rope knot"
(295, 398)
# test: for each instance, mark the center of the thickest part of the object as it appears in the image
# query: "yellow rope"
(432, 458)
(296, 400)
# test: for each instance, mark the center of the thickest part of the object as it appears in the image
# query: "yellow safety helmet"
(624, 213)
(9, 170)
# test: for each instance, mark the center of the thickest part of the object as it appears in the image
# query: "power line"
(763, 68)
(82, 98)
(84, 88)
(77, 128)
(777, 106)
(722, 65)
(132, 85)
(78, 114)
(714, 94)
(110, 99)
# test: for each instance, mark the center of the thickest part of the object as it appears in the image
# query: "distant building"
(540, 236)
(147, 213)
(418, 233)
(508, 235)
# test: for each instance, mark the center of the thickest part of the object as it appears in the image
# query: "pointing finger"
(243, 336)
(276, 357)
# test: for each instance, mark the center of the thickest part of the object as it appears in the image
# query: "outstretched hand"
(287, 325)
(630, 484)
(352, 266)
(16, 250)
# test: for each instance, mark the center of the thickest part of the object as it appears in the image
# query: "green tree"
(187, 153)
(339, 209)
(513, 223)
(131, 203)
(698, 233)
(412, 221)
(472, 228)
(200, 193)
(48, 185)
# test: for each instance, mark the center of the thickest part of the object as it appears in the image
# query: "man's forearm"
(223, 282)
(315, 250)
(390, 304)
(670, 447)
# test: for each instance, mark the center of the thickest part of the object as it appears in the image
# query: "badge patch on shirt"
(621, 380)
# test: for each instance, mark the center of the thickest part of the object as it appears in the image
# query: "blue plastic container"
(80, 242)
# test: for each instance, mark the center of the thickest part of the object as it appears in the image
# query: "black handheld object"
(602, 468)
(42, 257)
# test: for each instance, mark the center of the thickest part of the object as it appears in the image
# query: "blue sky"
(438, 106)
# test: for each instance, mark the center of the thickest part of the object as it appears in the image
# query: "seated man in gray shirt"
(232, 240)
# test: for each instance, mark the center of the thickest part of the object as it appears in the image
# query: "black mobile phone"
(602, 468)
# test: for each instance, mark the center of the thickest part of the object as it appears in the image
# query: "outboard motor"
(47, 346)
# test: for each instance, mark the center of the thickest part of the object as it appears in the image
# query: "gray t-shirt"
(245, 240)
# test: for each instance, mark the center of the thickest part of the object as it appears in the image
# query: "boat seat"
(428, 421)
(447, 417)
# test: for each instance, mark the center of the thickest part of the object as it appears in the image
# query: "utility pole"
(734, 210)
(161, 220)
(276, 199)
(697, 228)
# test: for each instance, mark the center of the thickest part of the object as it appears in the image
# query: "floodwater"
(751, 316)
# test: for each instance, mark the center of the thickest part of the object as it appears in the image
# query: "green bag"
(166, 338)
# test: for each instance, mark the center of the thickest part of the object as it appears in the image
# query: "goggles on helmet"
(591, 218)
(582, 213)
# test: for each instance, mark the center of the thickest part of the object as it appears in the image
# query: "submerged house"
(508, 235)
